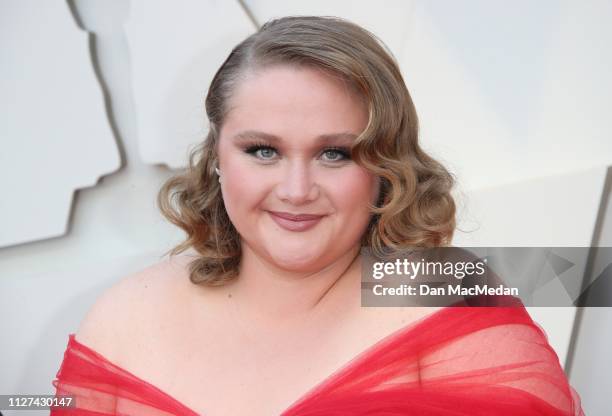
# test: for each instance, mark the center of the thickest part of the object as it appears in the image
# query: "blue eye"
(335, 154)
(266, 152)
(261, 151)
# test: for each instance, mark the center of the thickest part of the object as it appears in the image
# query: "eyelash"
(344, 152)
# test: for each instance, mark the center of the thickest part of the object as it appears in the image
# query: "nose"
(296, 186)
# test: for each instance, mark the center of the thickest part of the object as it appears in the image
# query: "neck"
(273, 296)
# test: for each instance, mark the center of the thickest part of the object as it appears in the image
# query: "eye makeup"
(257, 146)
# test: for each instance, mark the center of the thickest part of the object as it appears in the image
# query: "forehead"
(298, 103)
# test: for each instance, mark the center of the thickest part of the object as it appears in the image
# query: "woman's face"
(284, 149)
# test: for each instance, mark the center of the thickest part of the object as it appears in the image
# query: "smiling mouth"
(295, 222)
(296, 217)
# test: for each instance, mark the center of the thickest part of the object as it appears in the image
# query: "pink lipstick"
(295, 222)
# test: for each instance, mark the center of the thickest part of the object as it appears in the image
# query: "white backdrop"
(511, 96)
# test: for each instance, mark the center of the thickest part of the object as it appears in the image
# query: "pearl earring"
(218, 173)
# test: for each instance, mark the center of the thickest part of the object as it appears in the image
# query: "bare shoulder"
(128, 308)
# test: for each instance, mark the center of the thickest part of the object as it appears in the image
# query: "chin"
(298, 263)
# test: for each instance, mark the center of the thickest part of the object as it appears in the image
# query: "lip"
(295, 222)
(295, 217)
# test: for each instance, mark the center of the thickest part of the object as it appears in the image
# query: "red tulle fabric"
(456, 361)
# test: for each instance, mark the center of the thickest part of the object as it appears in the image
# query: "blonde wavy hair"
(415, 207)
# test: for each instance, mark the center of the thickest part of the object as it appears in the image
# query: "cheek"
(355, 189)
(242, 189)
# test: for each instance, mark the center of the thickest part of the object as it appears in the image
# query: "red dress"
(456, 361)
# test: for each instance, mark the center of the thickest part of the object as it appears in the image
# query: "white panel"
(590, 373)
(592, 361)
(50, 306)
(508, 91)
(558, 211)
(390, 23)
(176, 50)
(53, 126)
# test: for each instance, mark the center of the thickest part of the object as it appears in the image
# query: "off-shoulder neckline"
(357, 359)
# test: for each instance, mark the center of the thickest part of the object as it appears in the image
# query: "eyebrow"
(322, 139)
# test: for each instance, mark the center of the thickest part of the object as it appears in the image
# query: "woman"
(312, 155)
